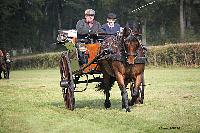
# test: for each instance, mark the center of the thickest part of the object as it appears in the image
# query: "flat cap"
(89, 12)
(111, 16)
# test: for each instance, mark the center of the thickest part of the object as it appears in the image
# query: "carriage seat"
(87, 45)
(89, 38)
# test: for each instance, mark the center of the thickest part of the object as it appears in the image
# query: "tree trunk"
(59, 21)
(188, 14)
(162, 31)
(54, 33)
(59, 10)
(144, 38)
(182, 23)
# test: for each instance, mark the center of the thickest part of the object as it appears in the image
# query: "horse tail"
(101, 86)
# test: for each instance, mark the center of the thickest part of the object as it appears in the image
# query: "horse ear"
(125, 31)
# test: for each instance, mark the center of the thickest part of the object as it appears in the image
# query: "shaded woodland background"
(33, 24)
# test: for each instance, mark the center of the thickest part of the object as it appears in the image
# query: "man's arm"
(81, 27)
(118, 27)
(103, 27)
(97, 28)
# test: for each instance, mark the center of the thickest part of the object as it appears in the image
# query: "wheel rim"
(69, 99)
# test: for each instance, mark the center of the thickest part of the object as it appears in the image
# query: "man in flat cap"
(89, 24)
(87, 27)
(111, 27)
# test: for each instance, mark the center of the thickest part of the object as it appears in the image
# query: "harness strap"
(132, 54)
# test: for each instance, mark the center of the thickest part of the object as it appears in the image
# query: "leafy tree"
(34, 23)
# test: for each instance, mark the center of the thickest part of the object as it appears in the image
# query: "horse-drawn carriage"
(118, 58)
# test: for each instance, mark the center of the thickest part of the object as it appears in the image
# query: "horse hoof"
(107, 104)
(123, 106)
(130, 102)
(141, 101)
(128, 110)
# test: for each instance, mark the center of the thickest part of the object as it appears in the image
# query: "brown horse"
(2, 62)
(121, 66)
(5, 64)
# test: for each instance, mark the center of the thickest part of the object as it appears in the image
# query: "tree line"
(34, 23)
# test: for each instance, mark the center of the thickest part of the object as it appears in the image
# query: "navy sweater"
(112, 30)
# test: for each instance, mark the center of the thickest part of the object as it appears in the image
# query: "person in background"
(111, 27)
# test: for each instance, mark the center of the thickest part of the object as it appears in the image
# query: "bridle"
(131, 36)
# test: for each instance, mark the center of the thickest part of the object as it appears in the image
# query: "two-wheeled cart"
(80, 59)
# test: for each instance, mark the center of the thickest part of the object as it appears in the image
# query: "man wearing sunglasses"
(86, 33)
(88, 25)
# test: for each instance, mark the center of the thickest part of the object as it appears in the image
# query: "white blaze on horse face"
(131, 50)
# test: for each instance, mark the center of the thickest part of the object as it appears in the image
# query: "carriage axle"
(64, 83)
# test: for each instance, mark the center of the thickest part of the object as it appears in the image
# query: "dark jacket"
(112, 30)
(83, 27)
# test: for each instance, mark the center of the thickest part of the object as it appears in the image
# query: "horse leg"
(135, 90)
(8, 70)
(0, 72)
(126, 84)
(107, 103)
(5, 73)
(119, 73)
(131, 102)
(134, 95)
(124, 95)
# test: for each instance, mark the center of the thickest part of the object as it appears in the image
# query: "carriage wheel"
(67, 82)
(69, 99)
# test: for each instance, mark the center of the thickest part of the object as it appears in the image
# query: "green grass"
(31, 102)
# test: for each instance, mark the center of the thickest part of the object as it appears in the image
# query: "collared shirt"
(111, 30)
(90, 25)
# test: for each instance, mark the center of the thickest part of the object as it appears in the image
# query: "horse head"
(130, 41)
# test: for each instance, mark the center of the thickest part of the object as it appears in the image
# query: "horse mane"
(132, 25)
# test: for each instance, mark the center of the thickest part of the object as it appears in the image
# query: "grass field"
(31, 102)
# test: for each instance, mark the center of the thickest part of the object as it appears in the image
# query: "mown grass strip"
(31, 102)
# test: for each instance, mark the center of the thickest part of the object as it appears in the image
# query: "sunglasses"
(89, 14)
